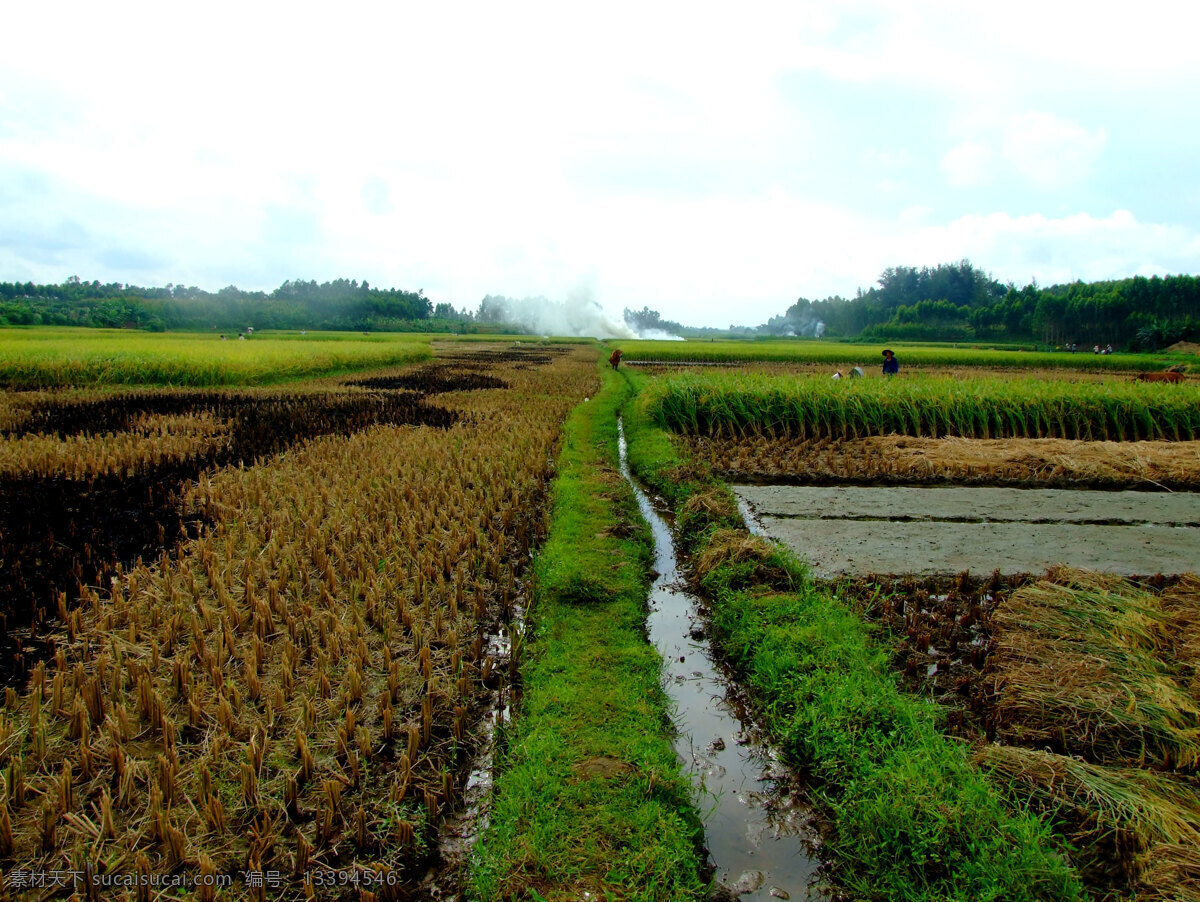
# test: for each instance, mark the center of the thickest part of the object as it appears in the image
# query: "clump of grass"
(704, 511)
(1171, 874)
(1079, 663)
(734, 559)
(1181, 604)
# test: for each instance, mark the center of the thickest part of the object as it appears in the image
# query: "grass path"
(591, 798)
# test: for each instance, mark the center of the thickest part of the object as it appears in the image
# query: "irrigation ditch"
(761, 836)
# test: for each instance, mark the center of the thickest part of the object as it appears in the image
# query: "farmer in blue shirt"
(891, 366)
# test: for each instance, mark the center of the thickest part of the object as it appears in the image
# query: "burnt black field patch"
(522, 357)
(259, 424)
(435, 379)
(58, 533)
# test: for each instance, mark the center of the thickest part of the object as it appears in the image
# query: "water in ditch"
(760, 835)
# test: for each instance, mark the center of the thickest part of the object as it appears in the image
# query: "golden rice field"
(291, 677)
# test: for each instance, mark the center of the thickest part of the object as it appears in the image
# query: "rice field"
(280, 663)
(261, 627)
(847, 355)
(53, 357)
(986, 407)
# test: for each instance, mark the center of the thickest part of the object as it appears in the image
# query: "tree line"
(948, 302)
(341, 304)
(959, 302)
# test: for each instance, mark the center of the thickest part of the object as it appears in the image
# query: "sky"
(714, 162)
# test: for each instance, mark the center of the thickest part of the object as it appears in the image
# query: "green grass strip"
(913, 819)
(591, 798)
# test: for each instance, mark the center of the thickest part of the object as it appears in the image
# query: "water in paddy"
(758, 832)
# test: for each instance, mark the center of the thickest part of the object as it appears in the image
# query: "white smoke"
(577, 317)
(806, 327)
(659, 335)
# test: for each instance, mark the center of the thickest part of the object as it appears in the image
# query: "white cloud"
(513, 149)
(1062, 249)
(1051, 151)
(969, 163)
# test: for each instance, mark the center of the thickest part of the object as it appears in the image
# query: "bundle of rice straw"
(1181, 602)
(1150, 820)
(1084, 663)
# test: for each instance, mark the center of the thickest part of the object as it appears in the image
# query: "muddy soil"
(852, 530)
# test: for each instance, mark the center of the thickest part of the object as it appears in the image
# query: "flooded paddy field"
(856, 530)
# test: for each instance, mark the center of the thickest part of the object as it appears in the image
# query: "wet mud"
(849, 530)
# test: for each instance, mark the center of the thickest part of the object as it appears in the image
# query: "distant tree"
(492, 309)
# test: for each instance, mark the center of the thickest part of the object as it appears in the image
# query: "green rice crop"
(741, 404)
(43, 358)
(868, 355)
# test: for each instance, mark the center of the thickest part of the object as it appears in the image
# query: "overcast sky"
(712, 161)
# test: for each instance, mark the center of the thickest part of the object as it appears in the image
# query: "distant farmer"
(891, 366)
(615, 358)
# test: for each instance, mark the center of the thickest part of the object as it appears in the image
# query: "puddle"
(759, 833)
